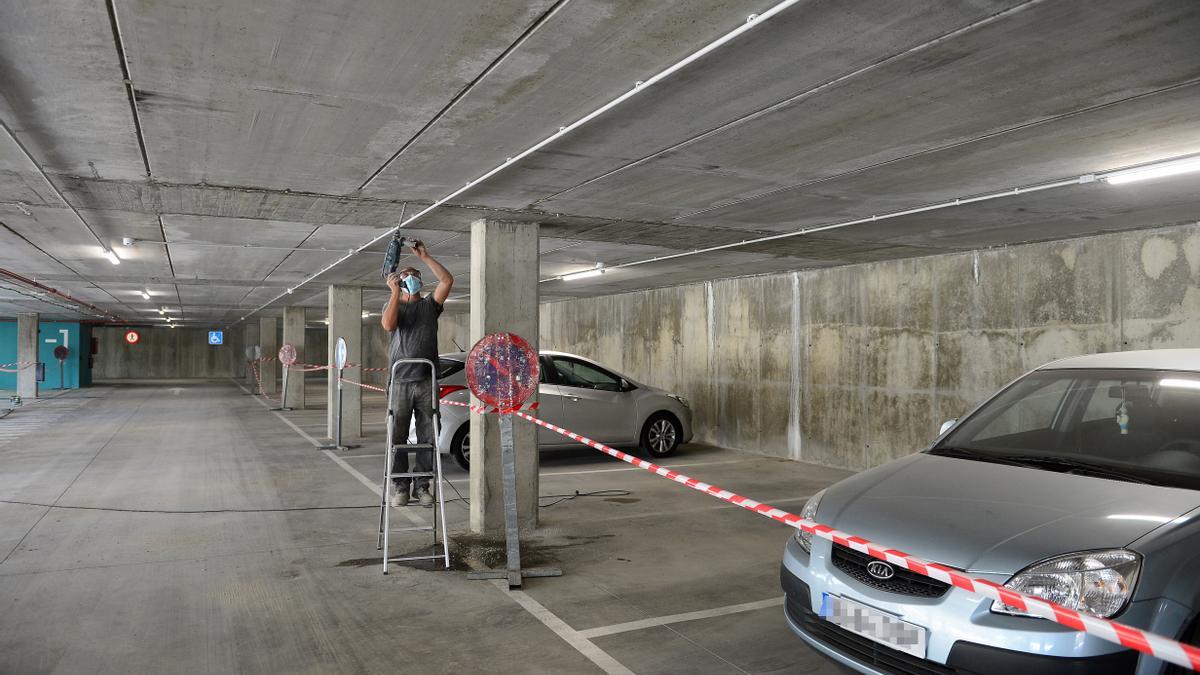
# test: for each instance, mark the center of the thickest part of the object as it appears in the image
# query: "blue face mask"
(412, 283)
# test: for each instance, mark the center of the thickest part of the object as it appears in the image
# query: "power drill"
(391, 259)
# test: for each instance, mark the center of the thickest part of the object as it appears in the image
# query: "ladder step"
(418, 528)
(417, 557)
(412, 474)
(413, 448)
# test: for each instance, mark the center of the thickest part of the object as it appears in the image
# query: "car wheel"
(460, 447)
(661, 435)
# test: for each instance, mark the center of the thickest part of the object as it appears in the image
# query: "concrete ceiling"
(257, 142)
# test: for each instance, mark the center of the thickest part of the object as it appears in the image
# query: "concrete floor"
(255, 587)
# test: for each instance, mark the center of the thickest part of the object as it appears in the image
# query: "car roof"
(462, 356)
(1147, 359)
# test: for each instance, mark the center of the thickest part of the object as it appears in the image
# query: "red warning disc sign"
(502, 371)
(132, 337)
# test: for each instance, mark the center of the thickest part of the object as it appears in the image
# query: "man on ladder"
(412, 318)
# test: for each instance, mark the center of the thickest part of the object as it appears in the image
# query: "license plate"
(874, 625)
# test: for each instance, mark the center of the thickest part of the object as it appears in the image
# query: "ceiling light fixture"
(145, 294)
(162, 310)
(1172, 167)
(599, 269)
(112, 256)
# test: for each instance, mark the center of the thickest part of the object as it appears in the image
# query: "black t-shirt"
(415, 337)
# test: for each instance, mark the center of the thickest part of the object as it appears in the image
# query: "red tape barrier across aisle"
(364, 386)
(20, 365)
(1166, 649)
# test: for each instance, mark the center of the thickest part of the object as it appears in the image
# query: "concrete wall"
(166, 353)
(856, 365)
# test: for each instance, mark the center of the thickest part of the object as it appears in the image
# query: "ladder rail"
(437, 477)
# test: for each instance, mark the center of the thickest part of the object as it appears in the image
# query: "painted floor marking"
(641, 624)
(571, 636)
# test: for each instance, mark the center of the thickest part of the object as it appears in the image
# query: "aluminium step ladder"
(436, 478)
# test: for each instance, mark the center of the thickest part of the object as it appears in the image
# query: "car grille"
(854, 564)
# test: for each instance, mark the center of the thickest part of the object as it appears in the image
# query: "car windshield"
(448, 367)
(1134, 425)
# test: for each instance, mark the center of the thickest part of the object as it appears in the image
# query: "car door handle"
(573, 399)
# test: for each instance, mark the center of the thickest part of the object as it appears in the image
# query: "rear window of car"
(448, 367)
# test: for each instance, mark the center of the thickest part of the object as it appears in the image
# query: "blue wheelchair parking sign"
(216, 337)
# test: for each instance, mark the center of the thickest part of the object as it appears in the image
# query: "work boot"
(399, 496)
(424, 496)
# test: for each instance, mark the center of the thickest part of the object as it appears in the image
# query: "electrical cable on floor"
(184, 512)
(558, 498)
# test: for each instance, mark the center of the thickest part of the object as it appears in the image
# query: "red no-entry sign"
(132, 337)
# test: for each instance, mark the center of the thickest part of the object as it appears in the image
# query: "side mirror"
(625, 385)
(947, 426)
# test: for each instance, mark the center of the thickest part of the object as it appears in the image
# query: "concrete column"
(293, 334)
(504, 297)
(268, 337)
(250, 340)
(345, 321)
(27, 352)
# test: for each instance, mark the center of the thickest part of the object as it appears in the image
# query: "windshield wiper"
(968, 453)
(1067, 464)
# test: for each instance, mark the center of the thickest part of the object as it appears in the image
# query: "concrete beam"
(345, 321)
(293, 334)
(27, 352)
(268, 337)
(504, 297)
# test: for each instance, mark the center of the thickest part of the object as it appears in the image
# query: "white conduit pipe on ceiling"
(639, 87)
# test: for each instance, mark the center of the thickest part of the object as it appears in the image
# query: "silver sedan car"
(1078, 483)
(579, 395)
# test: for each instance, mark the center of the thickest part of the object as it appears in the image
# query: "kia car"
(1078, 483)
(579, 395)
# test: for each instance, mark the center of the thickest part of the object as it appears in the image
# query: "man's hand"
(418, 249)
(393, 282)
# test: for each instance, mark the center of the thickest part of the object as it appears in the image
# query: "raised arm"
(391, 313)
(445, 279)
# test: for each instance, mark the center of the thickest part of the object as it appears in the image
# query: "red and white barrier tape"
(364, 386)
(1166, 649)
(258, 379)
(486, 410)
(20, 365)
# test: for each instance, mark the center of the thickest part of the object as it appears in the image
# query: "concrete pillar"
(293, 334)
(345, 321)
(27, 352)
(268, 337)
(504, 297)
(250, 339)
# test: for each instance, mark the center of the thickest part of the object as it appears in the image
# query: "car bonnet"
(986, 517)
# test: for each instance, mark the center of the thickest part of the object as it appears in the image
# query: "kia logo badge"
(880, 570)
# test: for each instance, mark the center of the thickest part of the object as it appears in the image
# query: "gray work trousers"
(411, 399)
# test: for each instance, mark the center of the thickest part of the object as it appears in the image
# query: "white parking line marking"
(601, 631)
(593, 653)
(412, 517)
(572, 637)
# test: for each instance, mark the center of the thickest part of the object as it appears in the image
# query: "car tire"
(660, 435)
(460, 447)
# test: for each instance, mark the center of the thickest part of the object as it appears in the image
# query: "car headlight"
(681, 400)
(809, 512)
(1097, 582)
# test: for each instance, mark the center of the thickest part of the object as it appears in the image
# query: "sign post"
(502, 371)
(61, 353)
(339, 362)
(287, 356)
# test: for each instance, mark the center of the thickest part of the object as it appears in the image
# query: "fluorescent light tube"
(1151, 171)
(584, 274)
(112, 257)
(145, 295)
